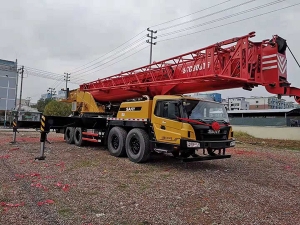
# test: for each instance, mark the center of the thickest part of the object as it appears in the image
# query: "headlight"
(192, 144)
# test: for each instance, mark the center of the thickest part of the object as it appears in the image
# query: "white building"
(271, 102)
(60, 95)
(238, 103)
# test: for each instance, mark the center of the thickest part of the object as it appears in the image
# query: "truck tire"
(116, 142)
(78, 137)
(69, 135)
(138, 145)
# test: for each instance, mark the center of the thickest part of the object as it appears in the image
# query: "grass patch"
(123, 186)
(91, 209)
(241, 134)
(144, 187)
(246, 138)
(64, 212)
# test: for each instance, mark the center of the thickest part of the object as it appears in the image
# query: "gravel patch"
(258, 185)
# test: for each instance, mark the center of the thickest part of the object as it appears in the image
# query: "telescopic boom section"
(233, 63)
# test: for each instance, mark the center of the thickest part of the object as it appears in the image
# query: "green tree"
(56, 108)
(41, 103)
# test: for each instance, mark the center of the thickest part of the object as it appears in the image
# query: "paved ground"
(258, 185)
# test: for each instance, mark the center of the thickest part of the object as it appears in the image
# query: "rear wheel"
(116, 142)
(138, 145)
(69, 135)
(78, 137)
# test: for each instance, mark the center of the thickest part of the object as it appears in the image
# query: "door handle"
(162, 127)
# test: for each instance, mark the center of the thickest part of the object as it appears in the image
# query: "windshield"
(203, 110)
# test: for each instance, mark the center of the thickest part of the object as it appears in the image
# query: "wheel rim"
(115, 141)
(135, 145)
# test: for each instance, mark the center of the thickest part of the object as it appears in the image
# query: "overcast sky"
(59, 36)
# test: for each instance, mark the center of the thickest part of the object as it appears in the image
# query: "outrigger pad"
(40, 158)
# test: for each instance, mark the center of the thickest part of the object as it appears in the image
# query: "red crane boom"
(233, 63)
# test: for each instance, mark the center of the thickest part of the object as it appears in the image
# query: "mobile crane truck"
(141, 111)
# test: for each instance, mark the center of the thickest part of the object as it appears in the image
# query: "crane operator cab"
(184, 125)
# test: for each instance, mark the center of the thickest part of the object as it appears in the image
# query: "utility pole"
(51, 91)
(21, 87)
(151, 41)
(17, 83)
(67, 78)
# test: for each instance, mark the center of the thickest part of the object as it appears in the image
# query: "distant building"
(269, 103)
(8, 84)
(296, 106)
(209, 96)
(238, 103)
(265, 117)
(225, 103)
(24, 102)
(60, 95)
(45, 96)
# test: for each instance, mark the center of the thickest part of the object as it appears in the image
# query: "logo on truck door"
(130, 109)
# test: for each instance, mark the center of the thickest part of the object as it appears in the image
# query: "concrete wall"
(287, 133)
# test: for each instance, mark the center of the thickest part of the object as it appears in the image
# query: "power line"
(42, 71)
(139, 40)
(223, 18)
(112, 59)
(32, 73)
(151, 39)
(45, 74)
(237, 21)
(108, 52)
(223, 10)
(48, 75)
(191, 13)
(119, 60)
(78, 75)
(57, 83)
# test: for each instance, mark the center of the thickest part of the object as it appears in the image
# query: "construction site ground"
(260, 184)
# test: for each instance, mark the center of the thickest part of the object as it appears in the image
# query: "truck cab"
(183, 125)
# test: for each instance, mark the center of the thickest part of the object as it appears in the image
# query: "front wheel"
(138, 145)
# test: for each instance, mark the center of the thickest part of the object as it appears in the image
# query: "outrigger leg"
(43, 139)
(44, 131)
(15, 130)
